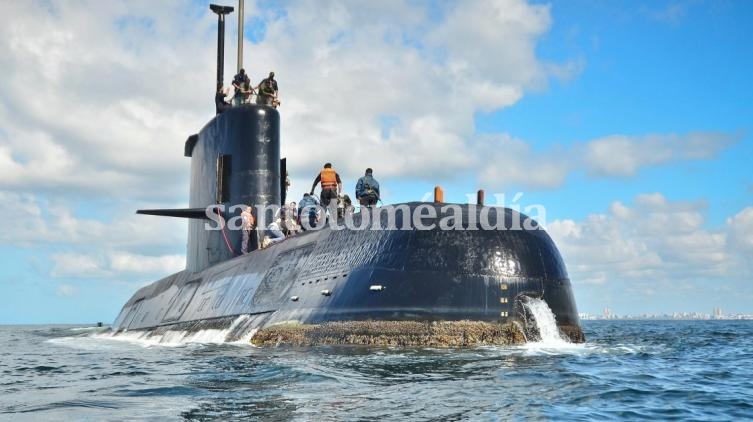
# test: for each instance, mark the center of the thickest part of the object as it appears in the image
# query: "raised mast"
(240, 36)
(221, 11)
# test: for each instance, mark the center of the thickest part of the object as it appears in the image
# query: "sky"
(629, 122)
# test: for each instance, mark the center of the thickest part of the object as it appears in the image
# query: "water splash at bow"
(539, 323)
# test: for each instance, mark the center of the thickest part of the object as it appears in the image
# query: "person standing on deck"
(367, 189)
(219, 100)
(307, 209)
(247, 225)
(267, 91)
(239, 82)
(290, 222)
(331, 186)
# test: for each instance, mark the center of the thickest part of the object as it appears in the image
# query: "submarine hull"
(347, 275)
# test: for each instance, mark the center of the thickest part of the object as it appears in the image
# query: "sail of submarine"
(395, 287)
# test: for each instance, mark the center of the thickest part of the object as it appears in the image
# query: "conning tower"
(235, 160)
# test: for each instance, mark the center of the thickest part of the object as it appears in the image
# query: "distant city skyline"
(716, 313)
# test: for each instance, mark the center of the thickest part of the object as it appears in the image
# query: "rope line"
(224, 235)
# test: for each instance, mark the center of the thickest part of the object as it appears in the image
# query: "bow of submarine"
(432, 275)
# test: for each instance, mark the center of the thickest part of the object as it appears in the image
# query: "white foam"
(555, 348)
(138, 338)
(93, 328)
(245, 340)
(168, 339)
(543, 318)
(84, 343)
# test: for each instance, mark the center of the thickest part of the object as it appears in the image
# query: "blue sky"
(629, 121)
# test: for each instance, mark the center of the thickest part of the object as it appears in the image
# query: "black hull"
(367, 275)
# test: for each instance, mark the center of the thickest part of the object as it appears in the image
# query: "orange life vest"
(328, 178)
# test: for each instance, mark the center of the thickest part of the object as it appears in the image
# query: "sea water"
(639, 370)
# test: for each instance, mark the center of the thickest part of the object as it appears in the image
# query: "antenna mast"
(221, 11)
(240, 35)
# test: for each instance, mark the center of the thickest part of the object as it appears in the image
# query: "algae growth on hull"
(391, 333)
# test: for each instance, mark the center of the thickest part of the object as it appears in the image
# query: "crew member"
(290, 223)
(239, 81)
(219, 100)
(308, 205)
(247, 225)
(267, 91)
(247, 91)
(331, 185)
(367, 189)
(274, 232)
(347, 205)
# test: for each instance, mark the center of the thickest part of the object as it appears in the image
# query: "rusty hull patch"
(573, 332)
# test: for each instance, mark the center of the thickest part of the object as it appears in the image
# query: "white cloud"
(78, 266)
(86, 105)
(740, 227)
(623, 156)
(122, 244)
(99, 105)
(654, 241)
(33, 220)
(133, 263)
(489, 47)
(505, 161)
(114, 264)
(352, 69)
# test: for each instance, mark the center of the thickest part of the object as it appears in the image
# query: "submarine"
(393, 283)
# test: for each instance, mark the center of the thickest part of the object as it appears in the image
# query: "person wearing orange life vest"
(331, 185)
